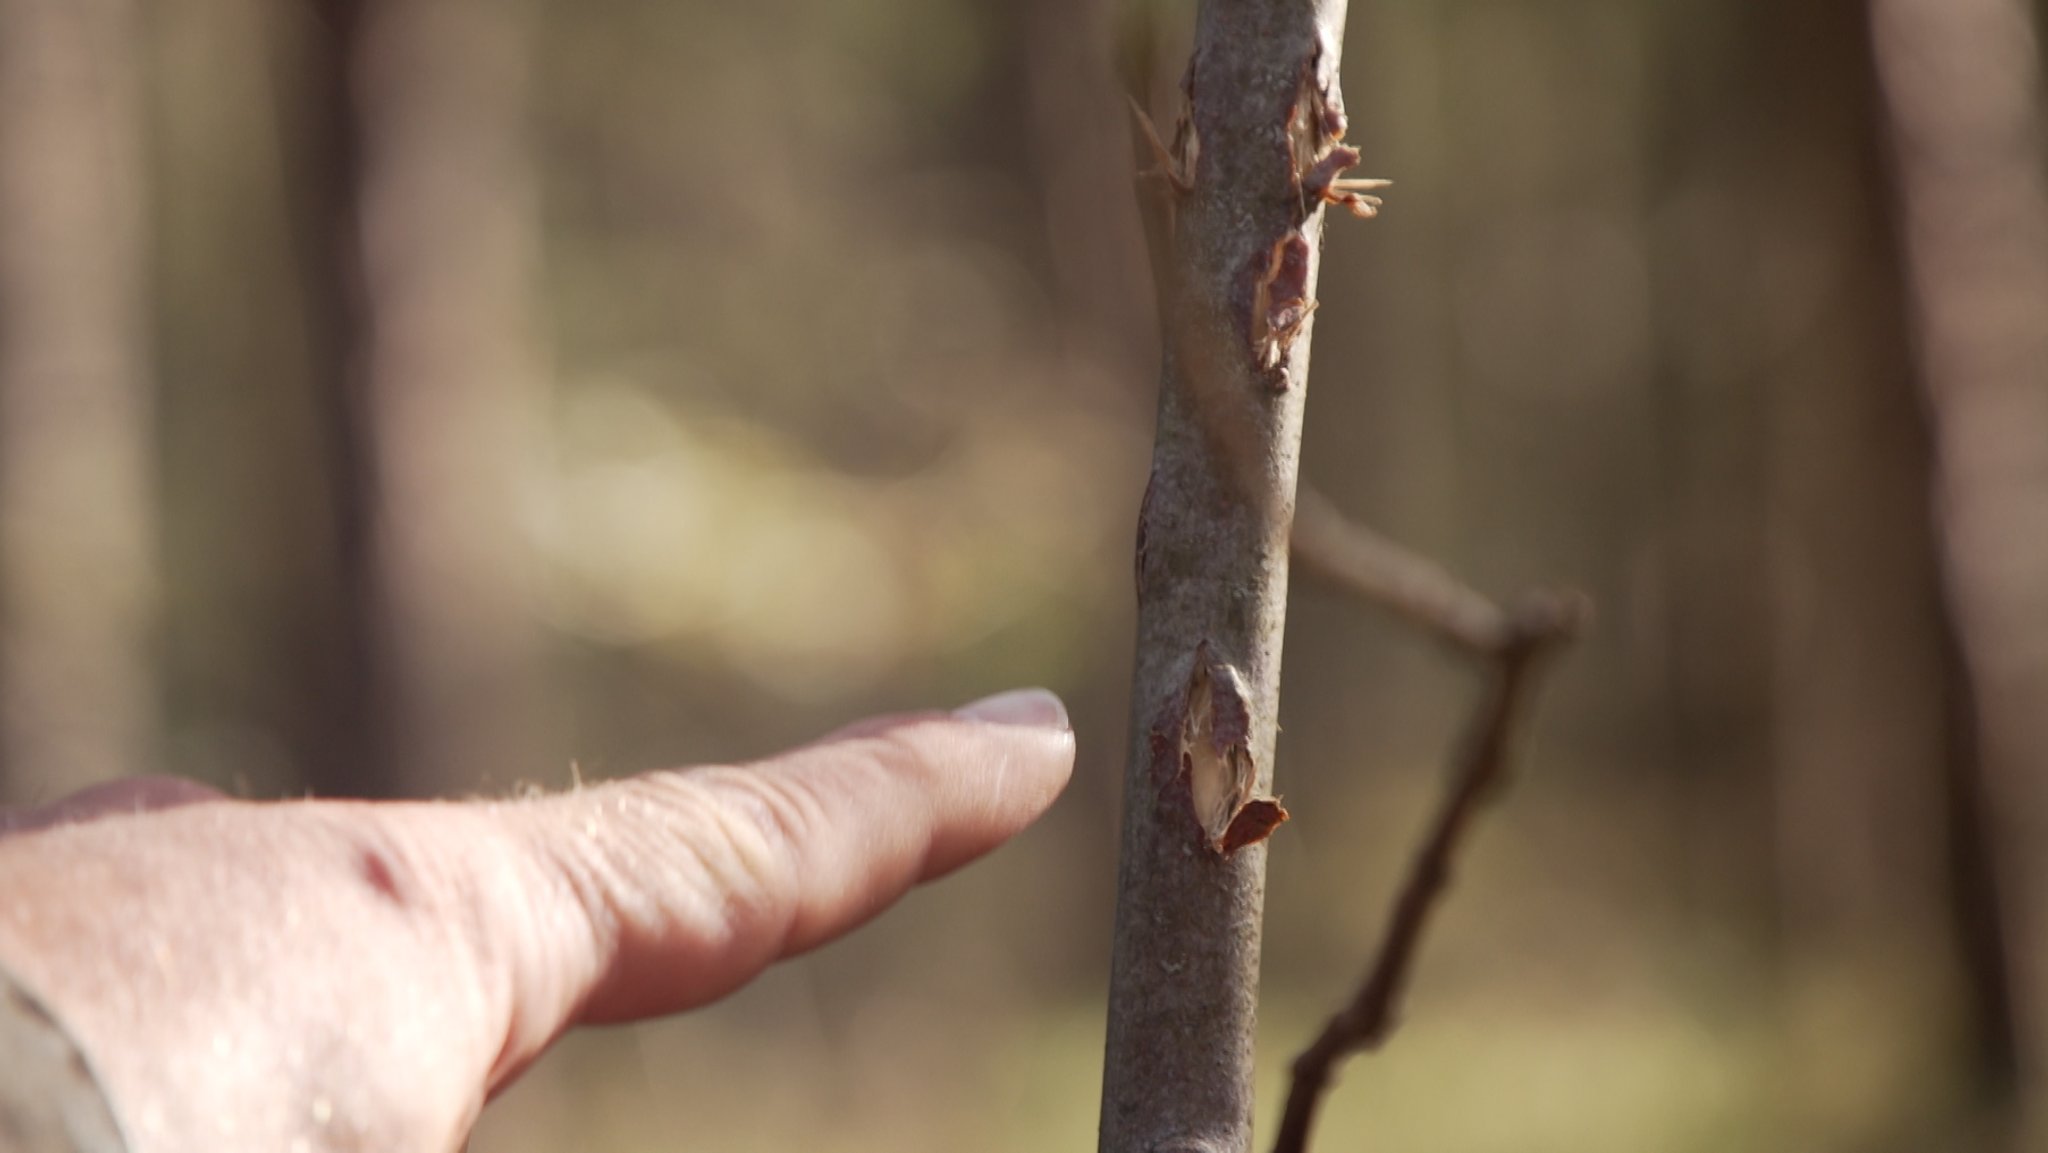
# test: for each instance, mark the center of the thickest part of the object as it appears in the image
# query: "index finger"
(668, 890)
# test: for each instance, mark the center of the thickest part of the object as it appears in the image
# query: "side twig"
(1346, 555)
(1515, 641)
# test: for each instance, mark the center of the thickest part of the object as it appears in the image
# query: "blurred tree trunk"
(1810, 686)
(1961, 80)
(1857, 671)
(420, 241)
(78, 560)
(349, 741)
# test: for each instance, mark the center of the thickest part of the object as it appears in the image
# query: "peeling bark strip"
(1240, 189)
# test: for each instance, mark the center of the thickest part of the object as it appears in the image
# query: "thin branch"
(1236, 247)
(1352, 558)
(1515, 640)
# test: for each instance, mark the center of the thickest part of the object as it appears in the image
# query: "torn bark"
(1240, 235)
(1221, 778)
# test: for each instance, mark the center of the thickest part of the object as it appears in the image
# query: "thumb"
(664, 891)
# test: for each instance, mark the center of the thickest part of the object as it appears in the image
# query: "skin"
(334, 975)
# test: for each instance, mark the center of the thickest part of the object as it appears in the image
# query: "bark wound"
(1315, 134)
(1280, 304)
(1318, 160)
(1215, 759)
(1319, 177)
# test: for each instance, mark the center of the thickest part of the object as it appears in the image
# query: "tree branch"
(1238, 186)
(1352, 558)
(1515, 641)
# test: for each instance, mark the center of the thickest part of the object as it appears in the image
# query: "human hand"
(330, 975)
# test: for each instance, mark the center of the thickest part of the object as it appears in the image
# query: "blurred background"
(444, 397)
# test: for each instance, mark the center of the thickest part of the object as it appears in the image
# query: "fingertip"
(969, 780)
(693, 881)
(1015, 759)
(1027, 708)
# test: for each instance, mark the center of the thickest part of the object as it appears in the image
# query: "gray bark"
(1243, 243)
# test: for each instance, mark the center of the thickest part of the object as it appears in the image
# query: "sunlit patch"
(712, 537)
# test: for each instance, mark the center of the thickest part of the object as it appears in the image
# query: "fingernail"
(1034, 708)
